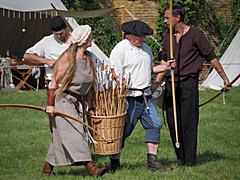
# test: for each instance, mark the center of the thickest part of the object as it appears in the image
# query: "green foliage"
(103, 28)
(81, 4)
(155, 48)
(203, 14)
(161, 28)
(199, 13)
(230, 29)
(103, 33)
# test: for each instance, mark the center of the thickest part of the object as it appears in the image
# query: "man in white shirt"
(49, 48)
(132, 55)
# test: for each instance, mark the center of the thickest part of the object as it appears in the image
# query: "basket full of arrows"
(109, 118)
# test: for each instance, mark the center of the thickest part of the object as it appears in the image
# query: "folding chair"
(25, 75)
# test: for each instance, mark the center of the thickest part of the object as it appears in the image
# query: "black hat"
(137, 27)
(57, 23)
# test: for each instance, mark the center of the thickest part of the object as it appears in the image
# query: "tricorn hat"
(137, 27)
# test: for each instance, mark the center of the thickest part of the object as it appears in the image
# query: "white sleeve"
(38, 48)
(117, 59)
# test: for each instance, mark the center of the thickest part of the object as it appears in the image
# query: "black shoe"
(154, 165)
(115, 164)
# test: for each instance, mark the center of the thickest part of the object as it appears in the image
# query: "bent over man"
(48, 49)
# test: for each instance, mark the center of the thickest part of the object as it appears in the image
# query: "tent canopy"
(31, 6)
(23, 23)
(45, 5)
(230, 62)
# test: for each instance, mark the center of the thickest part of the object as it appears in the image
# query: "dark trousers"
(187, 100)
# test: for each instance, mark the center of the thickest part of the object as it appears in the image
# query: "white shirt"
(48, 47)
(126, 58)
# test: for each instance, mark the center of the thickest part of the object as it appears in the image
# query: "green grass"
(25, 136)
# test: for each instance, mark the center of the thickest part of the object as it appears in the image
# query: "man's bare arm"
(38, 60)
(218, 67)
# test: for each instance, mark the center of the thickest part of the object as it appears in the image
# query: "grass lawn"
(25, 137)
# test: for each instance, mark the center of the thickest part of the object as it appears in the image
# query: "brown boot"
(154, 165)
(93, 170)
(48, 168)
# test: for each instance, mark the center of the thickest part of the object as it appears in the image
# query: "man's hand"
(171, 64)
(164, 66)
(50, 62)
(160, 68)
(154, 86)
(226, 85)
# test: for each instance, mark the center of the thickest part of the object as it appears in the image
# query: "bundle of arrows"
(111, 90)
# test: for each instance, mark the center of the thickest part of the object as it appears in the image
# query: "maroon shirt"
(189, 52)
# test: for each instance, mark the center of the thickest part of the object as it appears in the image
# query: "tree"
(102, 27)
(202, 14)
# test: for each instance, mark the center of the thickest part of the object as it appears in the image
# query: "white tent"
(31, 6)
(24, 22)
(231, 65)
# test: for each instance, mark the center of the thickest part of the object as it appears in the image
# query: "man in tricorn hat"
(132, 55)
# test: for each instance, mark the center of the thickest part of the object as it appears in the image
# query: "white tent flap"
(230, 62)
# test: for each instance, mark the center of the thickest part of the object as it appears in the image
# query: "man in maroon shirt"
(190, 47)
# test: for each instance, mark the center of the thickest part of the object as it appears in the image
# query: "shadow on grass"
(79, 169)
(97, 157)
(209, 156)
(82, 171)
(203, 158)
(133, 166)
(73, 172)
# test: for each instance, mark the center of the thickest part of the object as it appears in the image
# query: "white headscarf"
(80, 34)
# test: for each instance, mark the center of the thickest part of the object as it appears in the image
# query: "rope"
(228, 33)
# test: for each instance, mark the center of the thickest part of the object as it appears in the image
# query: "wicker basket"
(111, 129)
